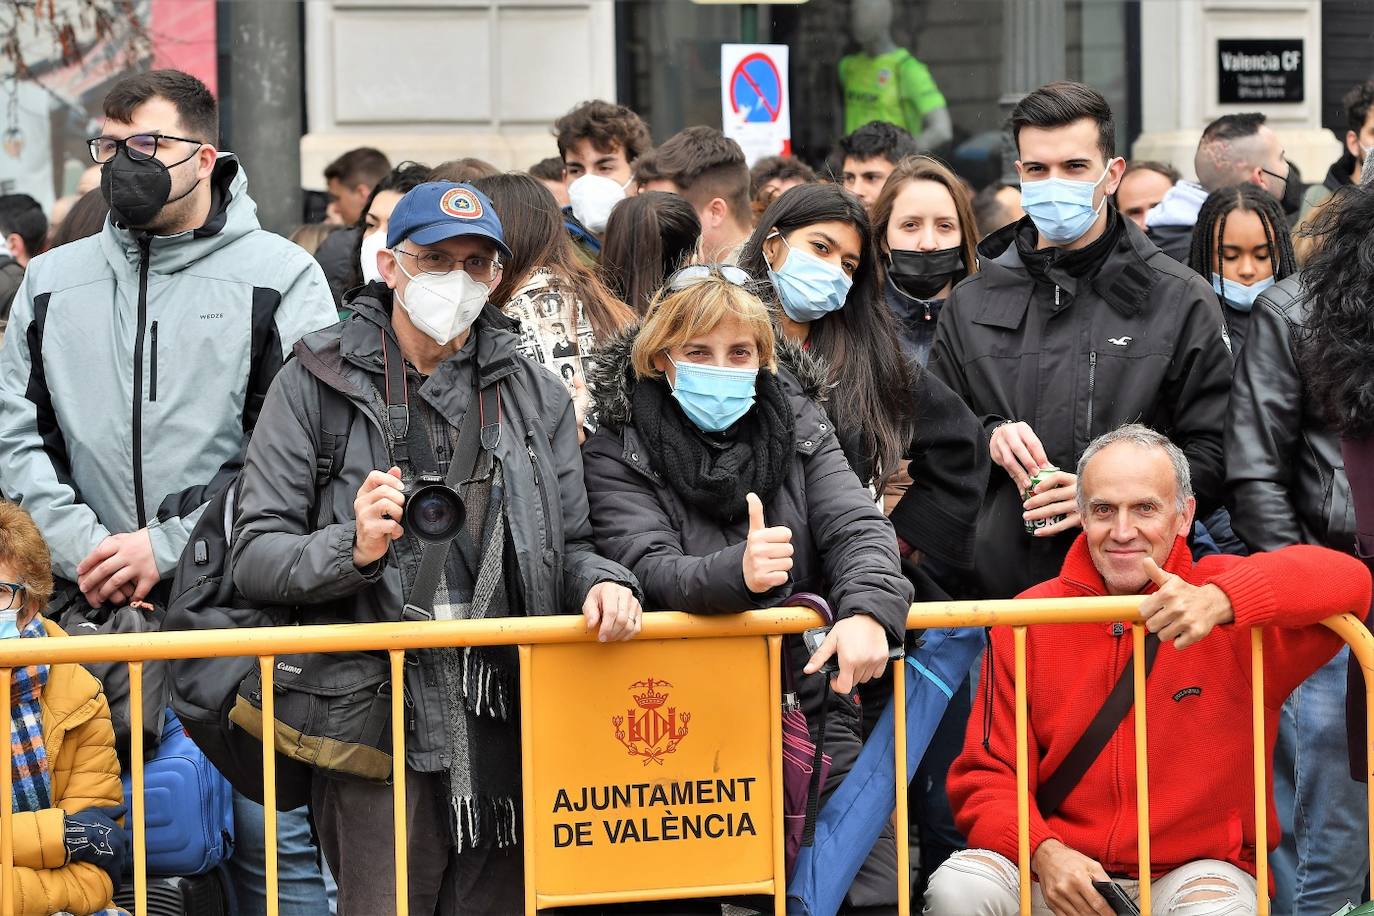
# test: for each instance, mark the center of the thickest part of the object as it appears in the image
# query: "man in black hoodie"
(1358, 143)
(1075, 324)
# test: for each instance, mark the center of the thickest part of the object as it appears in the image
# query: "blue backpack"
(188, 807)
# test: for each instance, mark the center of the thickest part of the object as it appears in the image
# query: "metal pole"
(266, 121)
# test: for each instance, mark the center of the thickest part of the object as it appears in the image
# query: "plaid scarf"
(28, 757)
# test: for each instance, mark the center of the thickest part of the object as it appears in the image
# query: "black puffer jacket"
(279, 559)
(687, 560)
(1139, 340)
(1284, 471)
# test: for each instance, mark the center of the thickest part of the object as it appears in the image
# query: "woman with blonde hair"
(924, 228)
(721, 484)
(69, 850)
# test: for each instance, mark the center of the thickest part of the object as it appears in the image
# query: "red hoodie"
(1201, 791)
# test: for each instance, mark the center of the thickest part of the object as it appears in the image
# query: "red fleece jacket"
(1201, 790)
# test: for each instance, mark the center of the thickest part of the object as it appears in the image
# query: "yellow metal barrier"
(397, 638)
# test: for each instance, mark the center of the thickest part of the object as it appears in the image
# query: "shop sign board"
(1251, 70)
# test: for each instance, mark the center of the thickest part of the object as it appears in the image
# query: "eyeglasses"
(140, 147)
(693, 274)
(11, 592)
(437, 264)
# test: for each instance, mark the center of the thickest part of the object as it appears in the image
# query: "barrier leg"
(399, 830)
(136, 762)
(527, 767)
(269, 780)
(1142, 771)
(7, 804)
(1261, 769)
(1018, 635)
(775, 663)
(903, 824)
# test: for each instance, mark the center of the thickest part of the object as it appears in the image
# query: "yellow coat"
(79, 740)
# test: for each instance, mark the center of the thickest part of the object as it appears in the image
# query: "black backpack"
(203, 597)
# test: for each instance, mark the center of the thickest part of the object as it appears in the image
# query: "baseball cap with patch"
(438, 210)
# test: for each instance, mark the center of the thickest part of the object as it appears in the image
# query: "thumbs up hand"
(1180, 611)
(768, 552)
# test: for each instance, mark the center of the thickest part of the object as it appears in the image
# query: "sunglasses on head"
(696, 273)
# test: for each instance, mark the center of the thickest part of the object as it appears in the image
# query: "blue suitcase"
(188, 808)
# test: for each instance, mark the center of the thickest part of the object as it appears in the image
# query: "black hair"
(402, 178)
(196, 107)
(988, 211)
(550, 169)
(878, 139)
(86, 218)
(364, 165)
(648, 237)
(778, 168)
(21, 215)
(872, 376)
(1151, 165)
(1233, 127)
(606, 125)
(1210, 231)
(1061, 103)
(1357, 103)
(1336, 353)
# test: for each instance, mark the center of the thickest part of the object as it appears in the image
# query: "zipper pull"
(1118, 629)
(1056, 295)
(534, 462)
(927, 308)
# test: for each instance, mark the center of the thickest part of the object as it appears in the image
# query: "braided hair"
(1210, 231)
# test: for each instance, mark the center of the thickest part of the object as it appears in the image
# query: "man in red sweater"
(1136, 502)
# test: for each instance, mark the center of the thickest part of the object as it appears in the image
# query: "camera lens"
(435, 513)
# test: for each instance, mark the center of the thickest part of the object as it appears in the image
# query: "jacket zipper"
(152, 380)
(144, 246)
(1056, 295)
(543, 496)
(1092, 381)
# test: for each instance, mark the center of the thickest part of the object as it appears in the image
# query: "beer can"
(1034, 525)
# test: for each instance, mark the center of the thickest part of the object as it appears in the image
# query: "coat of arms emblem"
(652, 729)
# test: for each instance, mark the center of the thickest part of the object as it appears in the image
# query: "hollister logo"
(1187, 692)
(648, 731)
(461, 203)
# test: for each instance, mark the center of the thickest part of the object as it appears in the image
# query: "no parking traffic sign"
(755, 103)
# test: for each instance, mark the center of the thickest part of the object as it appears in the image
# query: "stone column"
(266, 120)
(1032, 55)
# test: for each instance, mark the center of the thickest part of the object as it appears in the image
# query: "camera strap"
(411, 443)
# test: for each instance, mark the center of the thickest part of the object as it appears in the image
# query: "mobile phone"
(812, 639)
(1116, 898)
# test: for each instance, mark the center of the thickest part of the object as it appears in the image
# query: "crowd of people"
(661, 379)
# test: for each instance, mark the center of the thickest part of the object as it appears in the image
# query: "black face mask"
(138, 189)
(922, 274)
(1292, 190)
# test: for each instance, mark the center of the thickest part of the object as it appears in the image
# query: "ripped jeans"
(977, 882)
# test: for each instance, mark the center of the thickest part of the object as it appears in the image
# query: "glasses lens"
(102, 149)
(9, 595)
(735, 275)
(141, 146)
(481, 269)
(685, 277)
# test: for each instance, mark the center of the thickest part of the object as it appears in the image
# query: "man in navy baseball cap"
(435, 387)
(442, 260)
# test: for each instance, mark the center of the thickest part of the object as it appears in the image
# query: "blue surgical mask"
(713, 397)
(1062, 209)
(1238, 295)
(808, 287)
(9, 624)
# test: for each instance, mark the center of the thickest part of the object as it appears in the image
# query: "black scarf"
(1080, 263)
(714, 472)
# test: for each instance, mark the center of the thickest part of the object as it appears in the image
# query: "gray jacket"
(1284, 470)
(278, 557)
(135, 365)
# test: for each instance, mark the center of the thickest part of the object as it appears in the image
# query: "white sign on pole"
(755, 99)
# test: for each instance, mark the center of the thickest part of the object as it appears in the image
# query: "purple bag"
(804, 765)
